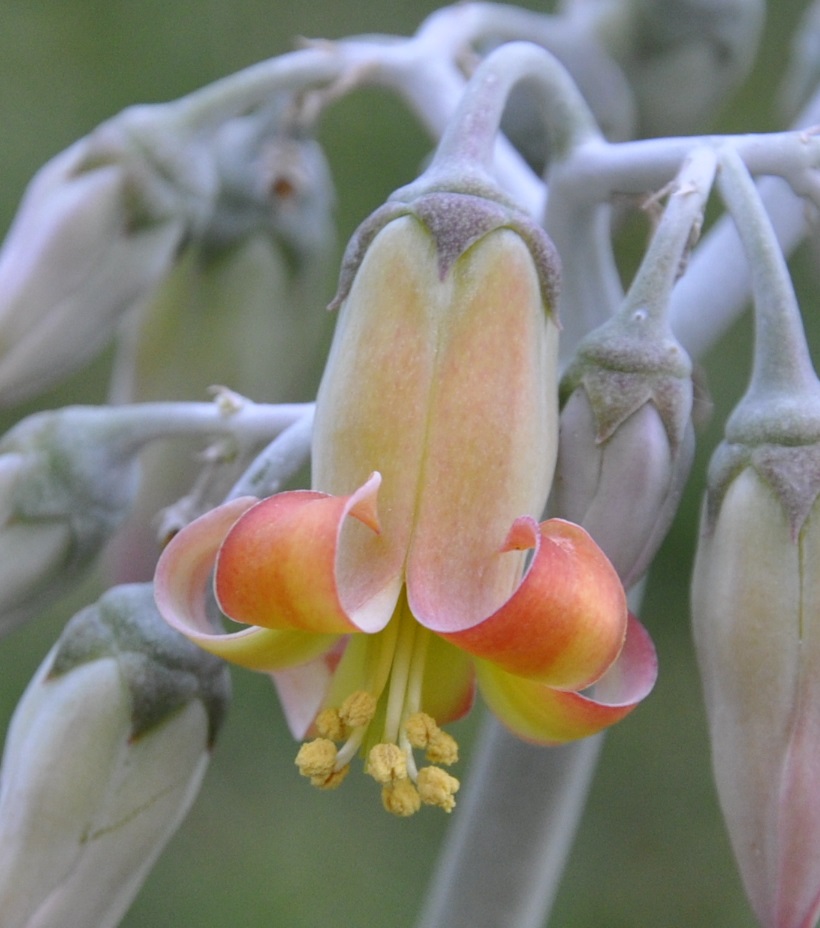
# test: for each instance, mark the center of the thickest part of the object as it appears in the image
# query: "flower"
(397, 580)
(104, 756)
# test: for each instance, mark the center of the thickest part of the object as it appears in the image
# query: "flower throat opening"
(383, 720)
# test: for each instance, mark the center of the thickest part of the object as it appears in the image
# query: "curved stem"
(781, 358)
(279, 461)
(783, 392)
(254, 86)
(465, 155)
(471, 133)
(661, 265)
(715, 290)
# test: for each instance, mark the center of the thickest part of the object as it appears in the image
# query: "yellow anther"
(401, 798)
(317, 758)
(358, 709)
(437, 788)
(328, 724)
(418, 727)
(386, 763)
(442, 748)
(423, 732)
(332, 780)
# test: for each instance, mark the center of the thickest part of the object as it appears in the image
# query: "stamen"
(328, 724)
(424, 733)
(412, 700)
(401, 798)
(399, 674)
(437, 788)
(357, 710)
(317, 758)
(350, 747)
(332, 780)
(387, 763)
(392, 670)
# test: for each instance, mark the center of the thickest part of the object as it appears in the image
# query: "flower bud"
(104, 756)
(682, 58)
(755, 608)
(78, 255)
(103, 223)
(67, 479)
(623, 482)
(626, 439)
(756, 593)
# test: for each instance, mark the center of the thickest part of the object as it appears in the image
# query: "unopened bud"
(68, 478)
(104, 223)
(755, 606)
(756, 593)
(104, 756)
(64, 488)
(622, 477)
(76, 258)
(626, 442)
(682, 58)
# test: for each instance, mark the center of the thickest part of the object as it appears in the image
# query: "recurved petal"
(182, 587)
(544, 715)
(566, 622)
(277, 566)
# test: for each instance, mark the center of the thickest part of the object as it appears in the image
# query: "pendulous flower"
(416, 564)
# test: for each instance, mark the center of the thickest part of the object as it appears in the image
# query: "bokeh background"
(260, 848)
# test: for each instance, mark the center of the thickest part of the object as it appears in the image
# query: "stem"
(465, 155)
(599, 169)
(715, 290)
(590, 293)
(279, 461)
(140, 423)
(254, 86)
(505, 853)
(470, 136)
(591, 288)
(783, 392)
(781, 361)
(661, 265)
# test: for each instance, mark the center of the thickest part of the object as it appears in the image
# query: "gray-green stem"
(131, 427)
(661, 266)
(783, 393)
(465, 155)
(505, 854)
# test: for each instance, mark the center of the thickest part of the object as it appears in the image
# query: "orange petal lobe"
(277, 565)
(566, 622)
(544, 715)
(182, 587)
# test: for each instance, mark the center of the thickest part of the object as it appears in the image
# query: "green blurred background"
(260, 848)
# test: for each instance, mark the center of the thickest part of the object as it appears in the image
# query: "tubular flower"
(416, 565)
